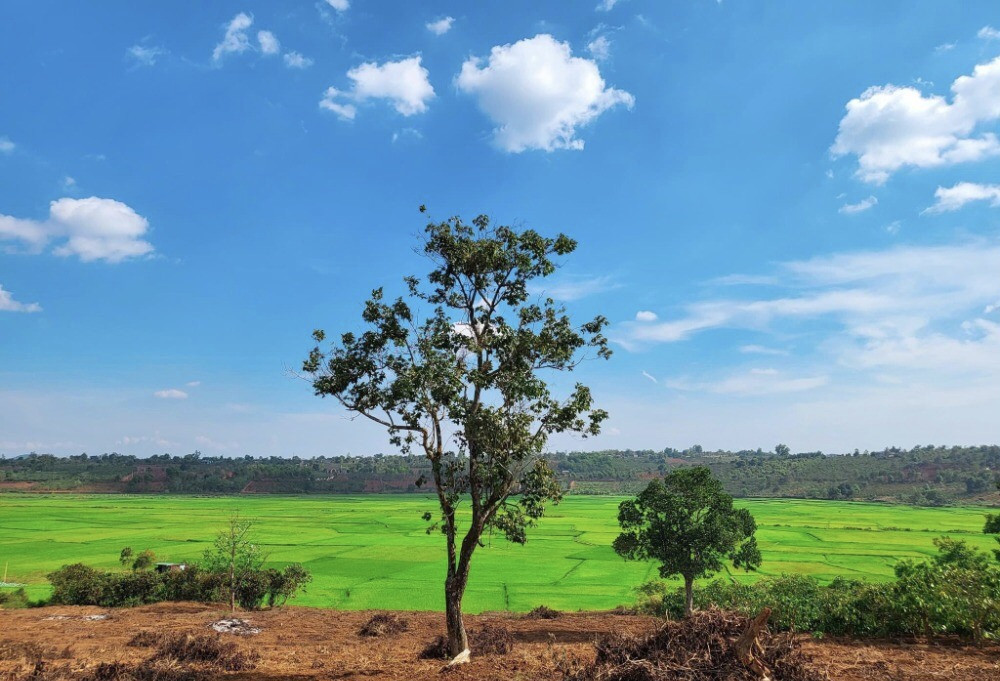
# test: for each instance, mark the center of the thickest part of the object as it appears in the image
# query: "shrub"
(77, 584)
(543, 612)
(955, 592)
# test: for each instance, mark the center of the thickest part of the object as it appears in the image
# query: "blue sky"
(788, 212)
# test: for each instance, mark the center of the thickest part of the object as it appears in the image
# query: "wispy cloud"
(752, 382)
(144, 55)
(171, 394)
(955, 197)
(988, 33)
(761, 350)
(8, 304)
(570, 288)
(859, 207)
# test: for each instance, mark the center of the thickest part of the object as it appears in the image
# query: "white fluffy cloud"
(91, 229)
(538, 94)
(294, 60)
(8, 304)
(171, 394)
(889, 127)
(268, 42)
(645, 316)
(235, 40)
(339, 5)
(859, 207)
(404, 84)
(6, 146)
(441, 26)
(954, 198)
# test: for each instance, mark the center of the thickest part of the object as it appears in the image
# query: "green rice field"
(372, 551)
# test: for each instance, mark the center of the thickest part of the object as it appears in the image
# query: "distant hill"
(928, 475)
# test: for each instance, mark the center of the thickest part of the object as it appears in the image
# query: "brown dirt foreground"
(308, 643)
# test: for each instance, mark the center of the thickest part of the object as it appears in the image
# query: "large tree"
(457, 370)
(688, 523)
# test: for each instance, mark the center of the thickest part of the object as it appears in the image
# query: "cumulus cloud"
(171, 394)
(144, 55)
(954, 198)
(268, 42)
(645, 316)
(859, 207)
(294, 60)
(235, 40)
(404, 84)
(90, 229)
(538, 94)
(8, 304)
(889, 127)
(441, 26)
(6, 146)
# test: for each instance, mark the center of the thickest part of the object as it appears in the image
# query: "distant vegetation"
(926, 476)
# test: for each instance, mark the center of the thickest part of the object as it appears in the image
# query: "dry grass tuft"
(384, 624)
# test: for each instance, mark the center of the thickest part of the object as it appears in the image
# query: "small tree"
(782, 450)
(144, 560)
(235, 555)
(688, 523)
(125, 557)
(464, 383)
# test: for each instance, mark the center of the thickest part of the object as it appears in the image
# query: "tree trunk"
(458, 640)
(688, 596)
(748, 647)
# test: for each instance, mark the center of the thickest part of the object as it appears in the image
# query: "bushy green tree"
(688, 523)
(144, 560)
(462, 382)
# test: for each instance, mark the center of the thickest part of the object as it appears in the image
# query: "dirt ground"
(308, 643)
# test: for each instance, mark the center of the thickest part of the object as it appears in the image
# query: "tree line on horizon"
(926, 475)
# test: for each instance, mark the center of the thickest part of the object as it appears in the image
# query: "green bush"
(955, 592)
(79, 584)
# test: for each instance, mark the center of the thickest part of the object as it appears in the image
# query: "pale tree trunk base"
(748, 647)
(462, 658)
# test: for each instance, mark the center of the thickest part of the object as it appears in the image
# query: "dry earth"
(308, 643)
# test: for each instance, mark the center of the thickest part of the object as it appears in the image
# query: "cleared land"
(305, 643)
(373, 551)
